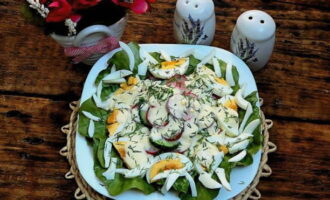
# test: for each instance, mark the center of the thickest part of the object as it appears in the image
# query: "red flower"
(137, 6)
(81, 4)
(59, 11)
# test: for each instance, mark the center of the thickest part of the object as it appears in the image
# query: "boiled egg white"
(168, 69)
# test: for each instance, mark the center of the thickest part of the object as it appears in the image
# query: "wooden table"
(37, 82)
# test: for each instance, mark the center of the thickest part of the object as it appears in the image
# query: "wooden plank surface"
(31, 167)
(37, 83)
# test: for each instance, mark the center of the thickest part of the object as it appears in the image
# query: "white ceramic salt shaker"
(253, 38)
(194, 21)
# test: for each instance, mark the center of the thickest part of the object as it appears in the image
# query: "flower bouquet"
(87, 29)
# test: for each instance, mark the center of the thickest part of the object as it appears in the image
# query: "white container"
(253, 38)
(90, 36)
(194, 22)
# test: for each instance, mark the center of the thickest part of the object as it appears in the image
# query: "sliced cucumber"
(164, 144)
(143, 114)
(158, 141)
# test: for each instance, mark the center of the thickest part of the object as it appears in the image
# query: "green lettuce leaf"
(121, 60)
(202, 193)
(181, 185)
(120, 184)
(193, 62)
(107, 90)
(156, 56)
(100, 126)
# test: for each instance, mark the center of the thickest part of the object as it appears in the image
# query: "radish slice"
(91, 116)
(241, 102)
(177, 106)
(206, 59)
(165, 56)
(174, 137)
(107, 152)
(238, 146)
(110, 173)
(157, 115)
(192, 184)
(143, 68)
(208, 182)
(251, 126)
(246, 117)
(91, 128)
(117, 75)
(229, 74)
(216, 66)
(222, 177)
(151, 152)
(238, 157)
(118, 81)
(130, 54)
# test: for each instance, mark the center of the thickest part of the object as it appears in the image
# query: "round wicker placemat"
(84, 191)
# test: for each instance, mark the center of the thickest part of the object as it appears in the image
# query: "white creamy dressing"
(192, 115)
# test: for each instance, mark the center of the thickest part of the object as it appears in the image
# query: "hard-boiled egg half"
(126, 95)
(132, 153)
(166, 164)
(219, 86)
(168, 69)
(118, 120)
(229, 102)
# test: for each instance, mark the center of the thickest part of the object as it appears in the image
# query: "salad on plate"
(161, 122)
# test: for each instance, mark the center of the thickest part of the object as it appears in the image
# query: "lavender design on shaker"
(246, 51)
(192, 33)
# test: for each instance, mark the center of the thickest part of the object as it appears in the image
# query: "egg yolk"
(231, 104)
(120, 147)
(163, 165)
(224, 149)
(172, 64)
(112, 128)
(132, 81)
(221, 81)
(113, 116)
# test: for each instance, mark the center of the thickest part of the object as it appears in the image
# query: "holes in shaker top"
(187, 2)
(250, 18)
(262, 21)
(196, 6)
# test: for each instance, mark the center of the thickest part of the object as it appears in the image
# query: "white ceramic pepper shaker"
(253, 38)
(194, 21)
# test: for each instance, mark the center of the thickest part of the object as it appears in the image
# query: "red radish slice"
(174, 138)
(180, 152)
(190, 94)
(152, 151)
(215, 96)
(177, 105)
(177, 81)
(135, 106)
(157, 115)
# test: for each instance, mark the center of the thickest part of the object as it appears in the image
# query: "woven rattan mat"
(84, 191)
